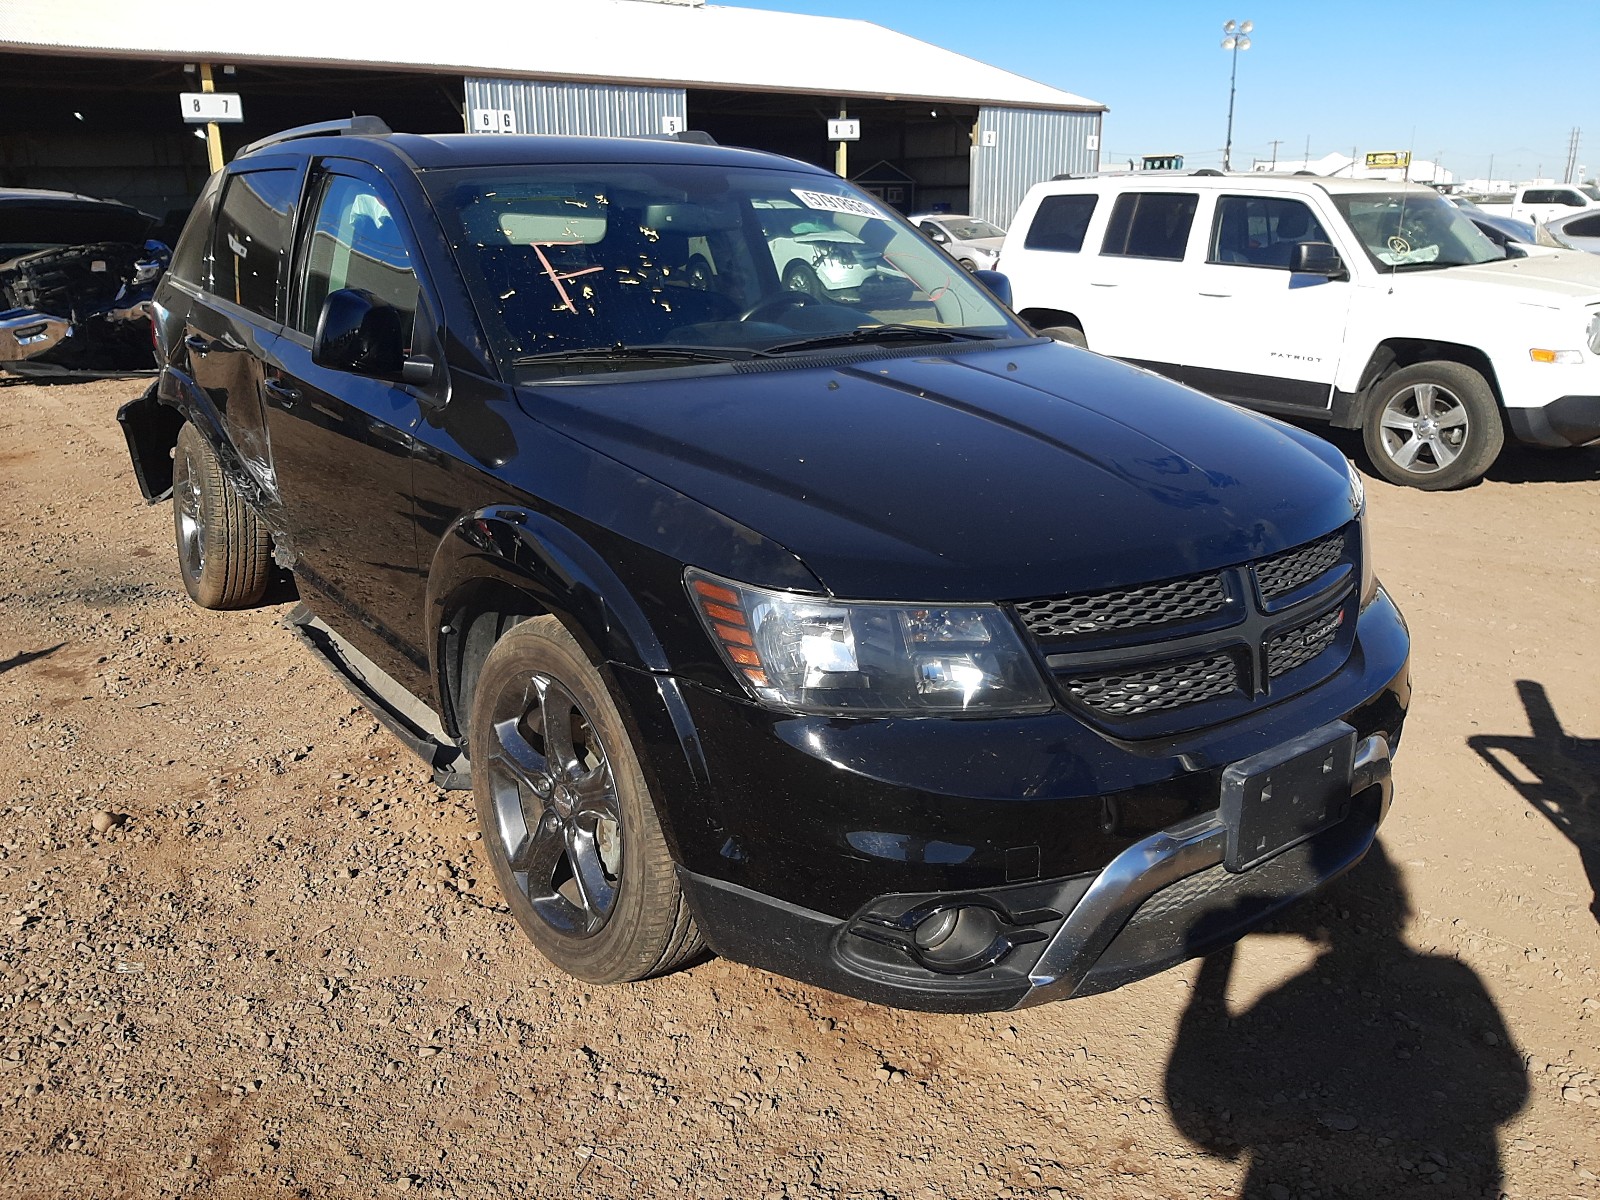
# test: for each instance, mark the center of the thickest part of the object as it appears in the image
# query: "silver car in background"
(1576, 231)
(971, 241)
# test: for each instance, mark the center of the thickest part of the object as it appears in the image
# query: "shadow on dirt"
(1517, 463)
(1566, 776)
(27, 656)
(1377, 1071)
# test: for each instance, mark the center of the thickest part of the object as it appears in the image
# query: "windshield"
(652, 264)
(1411, 231)
(967, 229)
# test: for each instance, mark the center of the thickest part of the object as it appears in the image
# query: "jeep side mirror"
(358, 332)
(997, 283)
(1317, 258)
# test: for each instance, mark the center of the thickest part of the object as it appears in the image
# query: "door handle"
(197, 344)
(285, 395)
(1092, 283)
(1218, 295)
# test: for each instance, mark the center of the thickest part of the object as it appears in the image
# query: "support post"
(213, 134)
(841, 155)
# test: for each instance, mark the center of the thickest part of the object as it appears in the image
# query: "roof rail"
(349, 126)
(697, 137)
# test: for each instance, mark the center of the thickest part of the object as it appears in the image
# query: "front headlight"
(812, 654)
(1358, 502)
(1594, 333)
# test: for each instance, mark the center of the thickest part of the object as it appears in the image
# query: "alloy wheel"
(1424, 428)
(557, 814)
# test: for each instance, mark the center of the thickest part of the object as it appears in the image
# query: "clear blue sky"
(1469, 79)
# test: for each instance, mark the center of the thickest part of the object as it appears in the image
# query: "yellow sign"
(1389, 158)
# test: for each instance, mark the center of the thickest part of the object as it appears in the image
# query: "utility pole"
(1236, 41)
(1572, 154)
(1276, 142)
(1488, 184)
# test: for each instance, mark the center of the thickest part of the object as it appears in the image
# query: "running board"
(391, 705)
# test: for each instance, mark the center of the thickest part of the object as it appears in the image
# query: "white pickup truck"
(1539, 202)
(1374, 306)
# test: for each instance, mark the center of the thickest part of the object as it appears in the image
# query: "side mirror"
(997, 283)
(1317, 258)
(358, 332)
(939, 236)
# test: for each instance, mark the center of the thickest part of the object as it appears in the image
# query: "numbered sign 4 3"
(201, 107)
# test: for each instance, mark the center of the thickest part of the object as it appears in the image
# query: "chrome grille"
(1153, 689)
(1283, 573)
(1125, 608)
(1299, 646)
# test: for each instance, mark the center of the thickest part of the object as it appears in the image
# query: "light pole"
(1236, 41)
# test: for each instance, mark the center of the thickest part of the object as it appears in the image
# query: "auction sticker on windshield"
(828, 202)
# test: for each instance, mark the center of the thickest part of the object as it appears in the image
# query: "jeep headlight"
(814, 654)
(1358, 502)
(1594, 333)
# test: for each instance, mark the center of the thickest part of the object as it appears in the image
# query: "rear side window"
(189, 257)
(1060, 223)
(1583, 227)
(1150, 225)
(1541, 196)
(252, 237)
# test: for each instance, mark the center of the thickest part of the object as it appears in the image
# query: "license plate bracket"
(1282, 796)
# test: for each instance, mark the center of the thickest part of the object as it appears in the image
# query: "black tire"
(568, 821)
(966, 264)
(1433, 426)
(1070, 334)
(797, 277)
(224, 549)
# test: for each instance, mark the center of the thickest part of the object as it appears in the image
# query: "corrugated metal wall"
(1019, 147)
(595, 109)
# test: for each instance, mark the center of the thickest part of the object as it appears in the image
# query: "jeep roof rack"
(348, 126)
(697, 137)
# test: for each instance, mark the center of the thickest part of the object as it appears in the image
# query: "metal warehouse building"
(90, 89)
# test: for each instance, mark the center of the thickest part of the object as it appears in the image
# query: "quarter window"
(1150, 225)
(356, 242)
(252, 235)
(1261, 231)
(1060, 223)
(189, 259)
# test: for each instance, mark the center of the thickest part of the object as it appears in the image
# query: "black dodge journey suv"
(857, 633)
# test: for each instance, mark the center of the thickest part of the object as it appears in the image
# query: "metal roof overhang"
(595, 41)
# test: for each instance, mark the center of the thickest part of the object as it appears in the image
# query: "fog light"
(935, 929)
(967, 938)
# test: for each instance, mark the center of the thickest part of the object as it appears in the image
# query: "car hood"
(1029, 470)
(62, 219)
(990, 244)
(1541, 278)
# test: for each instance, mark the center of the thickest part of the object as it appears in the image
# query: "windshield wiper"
(622, 352)
(882, 333)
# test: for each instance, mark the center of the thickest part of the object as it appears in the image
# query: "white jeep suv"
(1370, 305)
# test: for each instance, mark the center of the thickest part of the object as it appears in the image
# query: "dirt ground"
(286, 972)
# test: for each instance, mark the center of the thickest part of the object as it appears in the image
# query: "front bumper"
(26, 334)
(1162, 900)
(1566, 421)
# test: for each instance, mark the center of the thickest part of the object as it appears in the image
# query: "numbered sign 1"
(494, 120)
(202, 107)
(673, 125)
(844, 131)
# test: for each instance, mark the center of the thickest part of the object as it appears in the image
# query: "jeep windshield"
(1408, 231)
(578, 268)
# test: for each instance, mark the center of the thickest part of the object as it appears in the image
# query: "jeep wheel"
(224, 550)
(1433, 426)
(1070, 334)
(568, 821)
